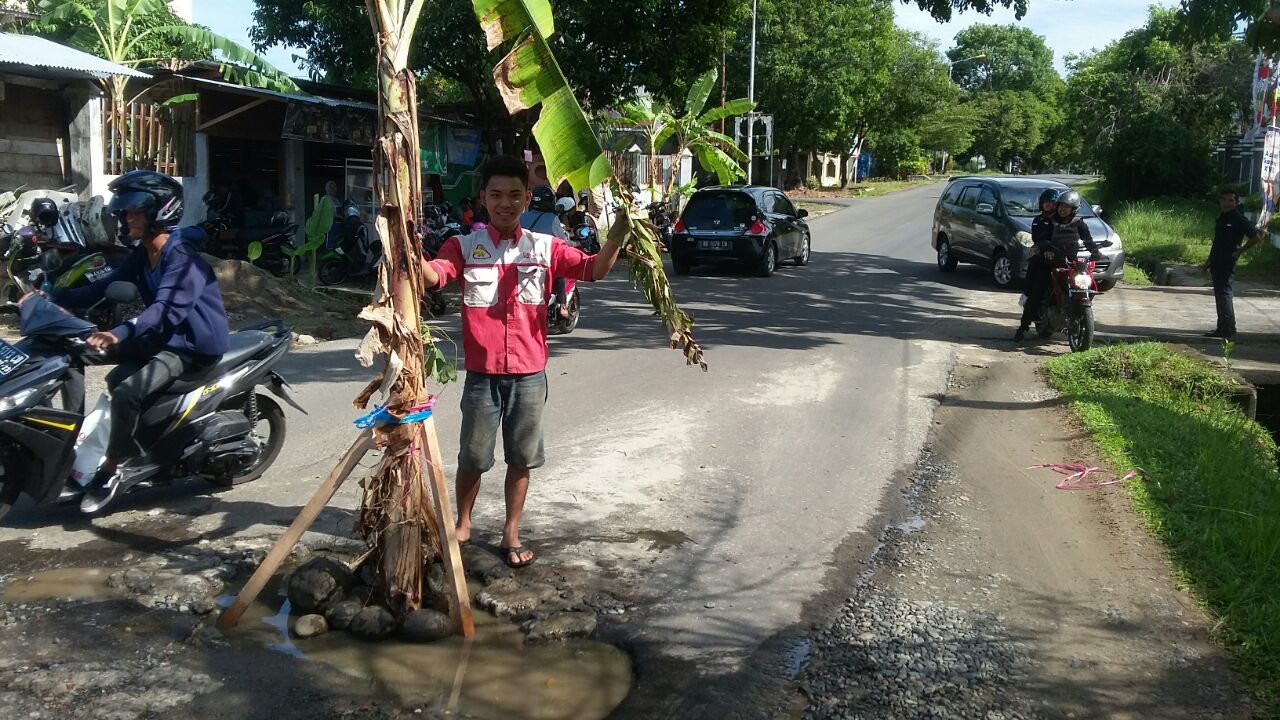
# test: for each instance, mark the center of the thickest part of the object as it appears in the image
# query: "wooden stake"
(455, 577)
(346, 465)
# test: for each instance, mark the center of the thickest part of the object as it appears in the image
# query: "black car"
(751, 225)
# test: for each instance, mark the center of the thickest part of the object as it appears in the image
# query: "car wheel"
(946, 261)
(1002, 270)
(1106, 285)
(803, 258)
(769, 262)
(681, 266)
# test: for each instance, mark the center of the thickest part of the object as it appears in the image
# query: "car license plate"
(11, 358)
(713, 244)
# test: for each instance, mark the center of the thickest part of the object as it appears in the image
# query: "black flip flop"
(507, 552)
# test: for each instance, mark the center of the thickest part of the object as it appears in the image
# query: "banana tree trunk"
(394, 516)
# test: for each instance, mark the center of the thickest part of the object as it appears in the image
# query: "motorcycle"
(271, 257)
(207, 424)
(661, 221)
(436, 228)
(586, 238)
(56, 257)
(357, 256)
(1070, 305)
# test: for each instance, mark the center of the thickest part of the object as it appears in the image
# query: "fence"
(150, 137)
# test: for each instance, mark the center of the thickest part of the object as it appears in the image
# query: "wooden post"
(346, 465)
(454, 575)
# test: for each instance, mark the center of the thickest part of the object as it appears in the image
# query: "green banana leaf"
(528, 76)
(700, 91)
(733, 107)
(319, 224)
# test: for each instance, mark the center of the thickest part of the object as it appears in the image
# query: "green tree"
(951, 129)
(598, 45)
(1016, 126)
(821, 70)
(1013, 58)
(1147, 109)
(1220, 19)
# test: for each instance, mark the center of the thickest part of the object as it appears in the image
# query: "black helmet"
(584, 199)
(1050, 195)
(544, 199)
(154, 193)
(44, 212)
(1071, 199)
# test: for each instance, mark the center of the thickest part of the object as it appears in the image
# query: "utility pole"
(724, 80)
(751, 95)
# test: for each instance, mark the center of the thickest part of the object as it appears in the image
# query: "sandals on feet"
(518, 550)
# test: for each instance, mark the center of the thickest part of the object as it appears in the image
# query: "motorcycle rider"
(1068, 231)
(1038, 267)
(543, 217)
(183, 328)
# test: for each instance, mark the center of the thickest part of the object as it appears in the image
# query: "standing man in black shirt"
(1230, 229)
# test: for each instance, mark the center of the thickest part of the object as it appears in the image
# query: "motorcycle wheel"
(10, 488)
(566, 325)
(332, 272)
(1080, 330)
(270, 415)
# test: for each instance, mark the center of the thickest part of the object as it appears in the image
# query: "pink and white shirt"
(505, 286)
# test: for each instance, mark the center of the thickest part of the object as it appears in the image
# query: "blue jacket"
(184, 304)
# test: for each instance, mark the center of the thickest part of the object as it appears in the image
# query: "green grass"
(1210, 488)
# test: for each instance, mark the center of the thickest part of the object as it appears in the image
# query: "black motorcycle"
(266, 253)
(208, 424)
(39, 256)
(357, 256)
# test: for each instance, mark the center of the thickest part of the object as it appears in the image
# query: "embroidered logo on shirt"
(480, 252)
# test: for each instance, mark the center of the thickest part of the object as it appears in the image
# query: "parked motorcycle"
(357, 256)
(1069, 306)
(53, 254)
(207, 424)
(271, 257)
(661, 221)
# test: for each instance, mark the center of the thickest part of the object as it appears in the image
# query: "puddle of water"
(660, 540)
(62, 584)
(798, 652)
(910, 525)
(492, 675)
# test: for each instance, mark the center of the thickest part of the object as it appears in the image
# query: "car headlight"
(1115, 241)
(1082, 281)
(1024, 239)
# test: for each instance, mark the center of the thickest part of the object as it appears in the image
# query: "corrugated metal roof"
(310, 99)
(18, 51)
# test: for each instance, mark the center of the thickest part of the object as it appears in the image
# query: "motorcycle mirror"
(121, 291)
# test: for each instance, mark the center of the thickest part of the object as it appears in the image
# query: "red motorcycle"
(1070, 307)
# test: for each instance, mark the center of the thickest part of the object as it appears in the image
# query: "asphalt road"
(765, 478)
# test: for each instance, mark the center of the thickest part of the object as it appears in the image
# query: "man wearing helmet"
(1067, 232)
(543, 216)
(1038, 268)
(183, 328)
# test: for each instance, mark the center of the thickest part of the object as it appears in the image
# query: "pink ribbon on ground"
(1076, 472)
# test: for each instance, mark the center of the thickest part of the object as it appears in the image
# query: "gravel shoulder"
(1001, 596)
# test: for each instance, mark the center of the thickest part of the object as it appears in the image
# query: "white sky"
(1068, 26)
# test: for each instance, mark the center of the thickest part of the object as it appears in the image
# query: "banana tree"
(654, 123)
(125, 32)
(693, 132)
(396, 514)
(529, 76)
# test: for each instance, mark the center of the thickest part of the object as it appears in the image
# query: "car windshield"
(1024, 201)
(731, 209)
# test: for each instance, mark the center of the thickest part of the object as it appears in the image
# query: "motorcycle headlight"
(16, 400)
(1024, 239)
(1082, 282)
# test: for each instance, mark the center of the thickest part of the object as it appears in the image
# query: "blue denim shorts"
(511, 402)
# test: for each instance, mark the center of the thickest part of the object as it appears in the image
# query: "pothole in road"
(494, 674)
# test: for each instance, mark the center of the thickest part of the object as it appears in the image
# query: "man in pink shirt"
(506, 274)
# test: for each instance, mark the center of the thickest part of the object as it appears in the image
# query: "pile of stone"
(326, 595)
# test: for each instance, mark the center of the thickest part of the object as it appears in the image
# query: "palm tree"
(123, 31)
